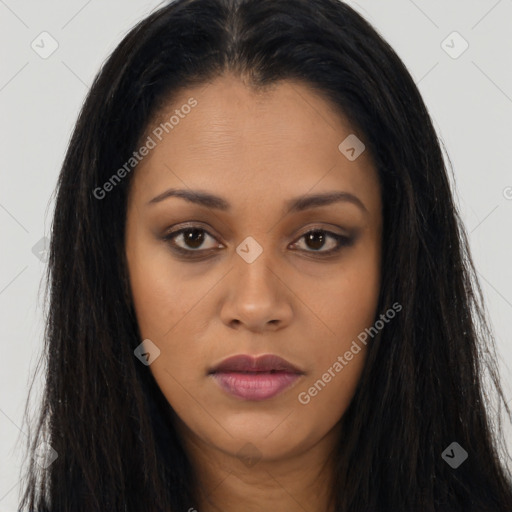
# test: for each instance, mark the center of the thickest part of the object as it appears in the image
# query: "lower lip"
(255, 386)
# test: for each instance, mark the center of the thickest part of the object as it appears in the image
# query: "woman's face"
(251, 276)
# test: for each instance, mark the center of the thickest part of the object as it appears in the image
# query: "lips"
(249, 378)
(245, 363)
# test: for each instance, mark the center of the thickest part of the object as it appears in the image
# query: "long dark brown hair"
(422, 385)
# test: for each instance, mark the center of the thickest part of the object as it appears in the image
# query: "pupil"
(190, 237)
(311, 238)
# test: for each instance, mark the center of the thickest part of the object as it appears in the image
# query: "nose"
(257, 297)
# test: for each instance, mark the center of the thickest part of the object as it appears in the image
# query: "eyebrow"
(296, 204)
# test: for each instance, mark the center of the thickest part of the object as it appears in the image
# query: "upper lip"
(247, 363)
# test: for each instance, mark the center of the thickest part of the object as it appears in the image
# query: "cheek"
(348, 306)
(155, 303)
(338, 363)
(169, 308)
(346, 298)
(161, 296)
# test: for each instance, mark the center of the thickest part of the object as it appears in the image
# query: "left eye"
(193, 238)
(318, 237)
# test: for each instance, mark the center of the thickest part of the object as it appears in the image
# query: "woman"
(324, 349)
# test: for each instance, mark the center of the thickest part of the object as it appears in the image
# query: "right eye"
(191, 239)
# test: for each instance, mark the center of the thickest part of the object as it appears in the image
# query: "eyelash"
(341, 240)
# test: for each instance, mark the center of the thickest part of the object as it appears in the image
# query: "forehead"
(275, 143)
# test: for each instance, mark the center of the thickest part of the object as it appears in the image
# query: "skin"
(256, 150)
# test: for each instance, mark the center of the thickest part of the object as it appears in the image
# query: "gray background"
(469, 98)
